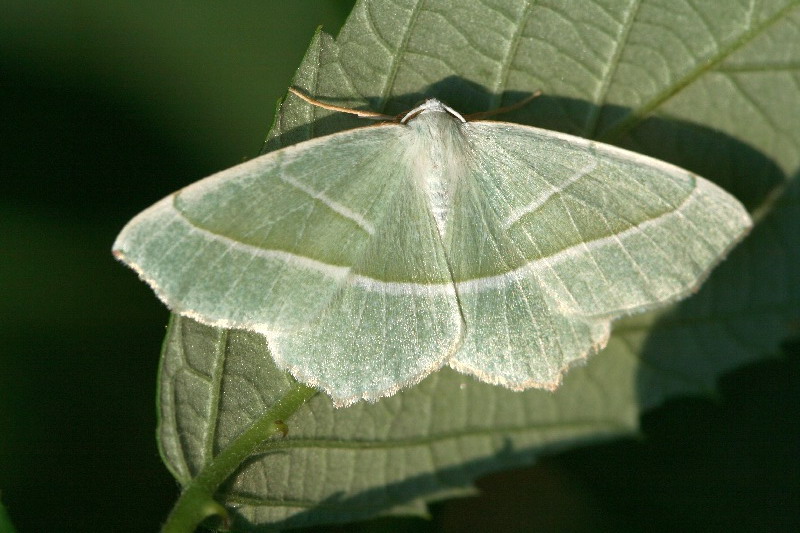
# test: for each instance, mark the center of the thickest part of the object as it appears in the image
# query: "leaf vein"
(630, 120)
(606, 77)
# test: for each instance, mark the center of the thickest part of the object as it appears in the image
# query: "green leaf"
(425, 443)
(713, 88)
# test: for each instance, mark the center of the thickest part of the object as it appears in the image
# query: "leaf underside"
(711, 88)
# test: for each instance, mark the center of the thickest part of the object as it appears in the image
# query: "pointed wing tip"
(119, 253)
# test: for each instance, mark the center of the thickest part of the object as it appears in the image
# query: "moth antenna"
(504, 109)
(357, 112)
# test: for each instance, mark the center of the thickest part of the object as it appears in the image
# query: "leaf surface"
(714, 88)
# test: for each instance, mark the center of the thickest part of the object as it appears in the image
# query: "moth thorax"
(438, 162)
(439, 197)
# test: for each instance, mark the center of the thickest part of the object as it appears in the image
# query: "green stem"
(197, 502)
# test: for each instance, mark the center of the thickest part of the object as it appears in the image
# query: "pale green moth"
(372, 257)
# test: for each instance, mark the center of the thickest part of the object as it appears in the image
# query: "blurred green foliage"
(108, 106)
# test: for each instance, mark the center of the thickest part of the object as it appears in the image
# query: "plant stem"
(196, 502)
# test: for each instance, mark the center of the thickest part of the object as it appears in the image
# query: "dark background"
(108, 106)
